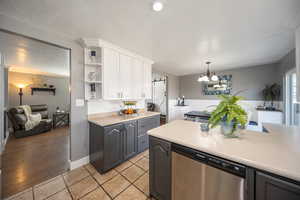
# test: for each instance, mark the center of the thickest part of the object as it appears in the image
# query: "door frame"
(70, 81)
(166, 77)
(288, 115)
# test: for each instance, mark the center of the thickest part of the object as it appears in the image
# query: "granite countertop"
(115, 119)
(277, 152)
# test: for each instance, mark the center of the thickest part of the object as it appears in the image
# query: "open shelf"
(98, 82)
(93, 64)
(93, 55)
(88, 93)
(93, 72)
(37, 89)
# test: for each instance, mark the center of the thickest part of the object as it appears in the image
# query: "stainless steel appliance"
(197, 116)
(199, 176)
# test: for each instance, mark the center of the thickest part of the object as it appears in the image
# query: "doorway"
(37, 107)
(292, 108)
(160, 95)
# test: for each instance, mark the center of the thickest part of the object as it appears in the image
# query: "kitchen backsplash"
(103, 106)
(200, 105)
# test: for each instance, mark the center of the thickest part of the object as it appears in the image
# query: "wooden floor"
(31, 160)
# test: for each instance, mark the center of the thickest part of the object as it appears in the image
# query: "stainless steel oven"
(199, 176)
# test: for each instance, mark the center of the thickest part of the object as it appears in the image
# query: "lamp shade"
(21, 85)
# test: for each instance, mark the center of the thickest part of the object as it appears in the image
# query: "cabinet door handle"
(116, 130)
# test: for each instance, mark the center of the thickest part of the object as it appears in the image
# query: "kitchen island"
(268, 165)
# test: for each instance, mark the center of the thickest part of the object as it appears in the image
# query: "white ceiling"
(230, 33)
(30, 56)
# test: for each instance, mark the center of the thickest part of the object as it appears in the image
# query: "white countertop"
(115, 119)
(277, 152)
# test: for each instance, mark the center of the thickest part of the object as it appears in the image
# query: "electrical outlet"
(79, 102)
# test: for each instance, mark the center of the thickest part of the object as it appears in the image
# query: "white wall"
(208, 105)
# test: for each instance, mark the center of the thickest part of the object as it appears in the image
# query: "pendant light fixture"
(208, 76)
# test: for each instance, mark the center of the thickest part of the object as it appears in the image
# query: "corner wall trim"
(80, 162)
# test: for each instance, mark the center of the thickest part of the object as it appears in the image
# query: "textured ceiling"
(30, 56)
(230, 33)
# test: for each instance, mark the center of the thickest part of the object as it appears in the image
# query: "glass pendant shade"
(214, 78)
(205, 79)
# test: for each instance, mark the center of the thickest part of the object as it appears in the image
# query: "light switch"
(79, 102)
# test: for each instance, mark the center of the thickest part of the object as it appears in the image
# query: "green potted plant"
(271, 93)
(229, 115)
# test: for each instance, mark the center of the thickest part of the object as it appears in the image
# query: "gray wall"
(287, 63)
(79, 126)
(251, 78)
(173, 86)
(61, 98)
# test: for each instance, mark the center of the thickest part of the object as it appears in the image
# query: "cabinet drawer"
(146, 124)
(143, 143)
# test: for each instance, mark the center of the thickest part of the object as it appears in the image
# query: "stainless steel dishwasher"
(199, 176)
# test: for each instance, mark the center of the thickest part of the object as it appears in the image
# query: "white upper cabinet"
(125, 75)
(111, 80)
(147, 83)
(138, 79)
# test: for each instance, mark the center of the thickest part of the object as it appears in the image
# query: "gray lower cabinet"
(160, 168)
(272, 188)
(145, 125)
(106, 146)
(112, 145)
(130, 139)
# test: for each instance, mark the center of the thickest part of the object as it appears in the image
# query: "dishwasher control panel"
(220, 163)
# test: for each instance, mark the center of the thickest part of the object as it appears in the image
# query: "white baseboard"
(78, 163)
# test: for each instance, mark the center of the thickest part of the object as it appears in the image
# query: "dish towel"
(32, 119)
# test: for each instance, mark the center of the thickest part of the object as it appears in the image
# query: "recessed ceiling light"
(157, 6)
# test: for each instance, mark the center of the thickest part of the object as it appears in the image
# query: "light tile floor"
(128, 181)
